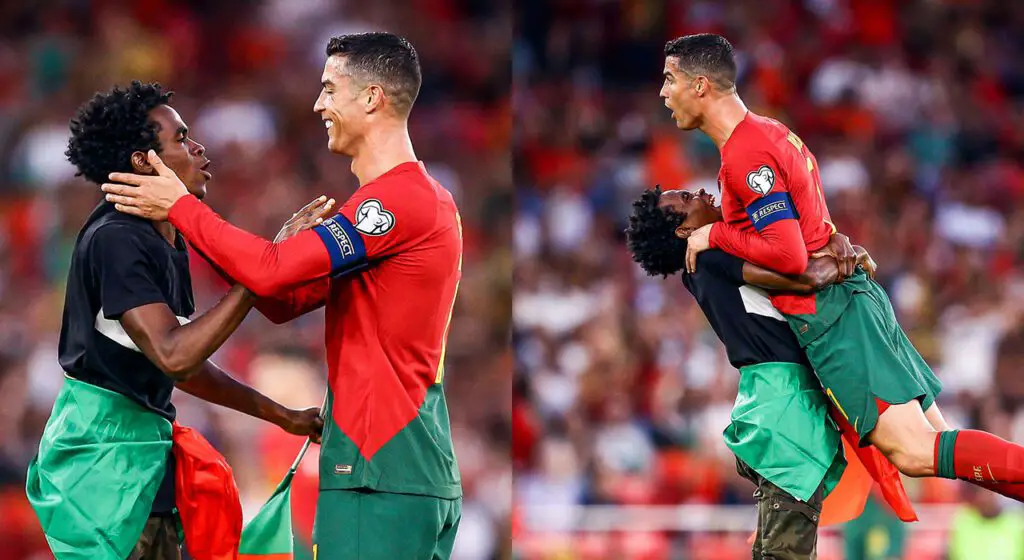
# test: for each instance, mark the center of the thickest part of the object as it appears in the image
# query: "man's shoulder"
(772, 130)
(408, 185)
(756, 137)
(110, 229)
(715, 272)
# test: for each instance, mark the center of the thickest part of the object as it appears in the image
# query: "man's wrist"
(274, 413)
(244, 293)
(181, 208)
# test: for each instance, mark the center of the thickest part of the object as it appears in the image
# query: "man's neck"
(722, 118)
(166, 230)
(383, 149)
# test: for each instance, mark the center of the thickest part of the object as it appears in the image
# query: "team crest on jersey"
(373, 219)
(762, 180)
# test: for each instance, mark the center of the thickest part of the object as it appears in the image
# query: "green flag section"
(100, 461)
(780, 420)
(268, 536)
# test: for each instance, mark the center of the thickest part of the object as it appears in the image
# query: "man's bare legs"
(905, 436)
(921, 443)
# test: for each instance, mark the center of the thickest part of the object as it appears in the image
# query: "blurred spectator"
(876, 535)
(983, 528)
(246, 75)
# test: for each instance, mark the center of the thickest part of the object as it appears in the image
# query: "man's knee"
(911, 463)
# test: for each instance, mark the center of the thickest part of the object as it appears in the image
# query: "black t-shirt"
(742, 316)
(121, 262)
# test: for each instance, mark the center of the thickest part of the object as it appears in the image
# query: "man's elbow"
(177, 364)
(265, 286)
(178, 369)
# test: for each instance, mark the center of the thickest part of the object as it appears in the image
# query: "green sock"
(944, 465)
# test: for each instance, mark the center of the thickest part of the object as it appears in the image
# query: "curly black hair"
(108, 128)
(651, 236)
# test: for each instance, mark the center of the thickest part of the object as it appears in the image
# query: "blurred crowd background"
(246, 75)
(915, 111)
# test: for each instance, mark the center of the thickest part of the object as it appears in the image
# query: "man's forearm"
(264, 267)
(761, 277)
(178, 349)
(286, 306)
(820, 272)
(187, 346)
(213, 385)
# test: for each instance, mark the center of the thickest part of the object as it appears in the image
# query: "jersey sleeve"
(264, 267)
(284, 307)
(777, 243)
(124, 273)
(754, 176)
(378, 221)
(721, 264)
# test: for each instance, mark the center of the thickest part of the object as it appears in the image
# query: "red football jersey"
(387, 267)
(768, 175)
(386, 333)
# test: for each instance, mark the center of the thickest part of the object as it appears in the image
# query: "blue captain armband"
(344, 244)
(769, 209)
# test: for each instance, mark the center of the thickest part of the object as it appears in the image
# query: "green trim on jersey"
(419, 459)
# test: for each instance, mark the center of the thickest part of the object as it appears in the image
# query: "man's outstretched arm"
(390, 219)
(212, 384)
(290, 304)
(264, 267)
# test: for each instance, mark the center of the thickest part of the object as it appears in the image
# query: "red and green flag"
(269, 535)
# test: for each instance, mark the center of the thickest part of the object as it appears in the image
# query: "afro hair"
(111, 126)
(651, 236)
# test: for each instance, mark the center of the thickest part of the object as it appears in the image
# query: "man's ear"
(373, 98)
(702, 85)
(683, 232)
(140, 163)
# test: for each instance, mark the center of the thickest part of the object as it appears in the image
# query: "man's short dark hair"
(705, 54)
(383, 58)
(108, 128)
(651, 236)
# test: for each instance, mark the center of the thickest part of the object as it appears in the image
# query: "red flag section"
(207, 498)
(847, 500)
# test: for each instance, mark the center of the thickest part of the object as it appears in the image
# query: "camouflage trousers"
(787, 529)
(159, 540)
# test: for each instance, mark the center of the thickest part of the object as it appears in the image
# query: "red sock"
(1010, 490)
(983, 457)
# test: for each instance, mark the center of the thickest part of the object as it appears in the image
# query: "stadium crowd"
(246, 75)
(915, 111)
